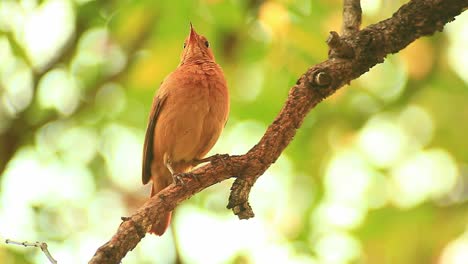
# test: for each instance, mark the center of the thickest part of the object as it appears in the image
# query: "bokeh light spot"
(457, 51)
(386, 80)
(58, 89)
(382, 141)
(428, 174)
(122, 150)
(274, 17)
(456, 252)
(42, 45)
(338, 247)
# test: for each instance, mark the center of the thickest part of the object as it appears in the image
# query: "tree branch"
(351, 16)
(370, 46)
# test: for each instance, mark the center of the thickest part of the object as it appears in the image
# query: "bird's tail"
(159, 228)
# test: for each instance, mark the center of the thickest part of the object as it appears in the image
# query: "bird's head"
(196, 47)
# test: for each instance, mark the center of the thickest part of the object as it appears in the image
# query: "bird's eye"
(185, 45)
(207, 44)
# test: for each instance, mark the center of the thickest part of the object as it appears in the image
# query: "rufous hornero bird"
(188, 113)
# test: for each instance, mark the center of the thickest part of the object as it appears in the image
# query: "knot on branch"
(322, 79)
(316, 78)
(339, 48)
(239, 199)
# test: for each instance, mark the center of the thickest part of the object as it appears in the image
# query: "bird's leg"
(179, 176)
(177, 179)
(169, 167)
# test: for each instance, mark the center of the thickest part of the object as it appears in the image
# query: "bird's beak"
(193, 35)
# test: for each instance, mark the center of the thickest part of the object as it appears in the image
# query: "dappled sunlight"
(276, 185)
(377, 173)
(348, 178)
(371, 7)
(365, 104)
(239, 137)
(418, 58)
(282, 252)
(382, 141)
(96, 48)
(386, 81)
(150, 248)
(248, 82)
(337, 247)
(259, 33)
(386, 161)
(41, 45)
(108, 204)
(331, 215)
(60, 90)
(273, 219)
(16, 78)
(200, 233)
(37, 184)
(78, 145)
(46, 179)
(457, 51)
(418, 126)
(111, 100)
(387, 138)
(274, 18)
(456, 252)
(18, 87)
(428, 174)
(122, 150)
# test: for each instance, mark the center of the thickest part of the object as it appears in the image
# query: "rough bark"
(350, 56)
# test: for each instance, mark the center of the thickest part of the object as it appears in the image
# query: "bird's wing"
(158, 103)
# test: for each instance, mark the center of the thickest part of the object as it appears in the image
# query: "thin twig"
(351, 16)
(41, 245)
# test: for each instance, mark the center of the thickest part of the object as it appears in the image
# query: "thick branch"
(370, 45)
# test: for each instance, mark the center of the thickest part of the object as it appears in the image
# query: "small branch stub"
(338, 47)
(239, 199)
(333, 40)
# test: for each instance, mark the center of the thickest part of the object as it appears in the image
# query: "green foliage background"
(378, 173)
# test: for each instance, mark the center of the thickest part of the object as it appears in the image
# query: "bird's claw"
(179, 177)
(220, 158)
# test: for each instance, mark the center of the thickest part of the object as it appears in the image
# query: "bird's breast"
(194, 114)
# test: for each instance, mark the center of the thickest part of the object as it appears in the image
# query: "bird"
(188, 113)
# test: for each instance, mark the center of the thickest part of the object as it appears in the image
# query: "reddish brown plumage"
(187, 116)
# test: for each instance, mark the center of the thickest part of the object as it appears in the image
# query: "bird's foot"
(179, 178)
(212, 159)
(221, 158)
